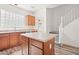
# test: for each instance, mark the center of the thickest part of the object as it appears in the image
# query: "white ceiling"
(35, 7)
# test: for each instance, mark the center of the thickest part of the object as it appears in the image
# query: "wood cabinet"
(31, 20)
(41, 48)
(48, 47)
(8, 40)
(4, 41)
(14, 39)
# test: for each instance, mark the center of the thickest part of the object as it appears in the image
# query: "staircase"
(69, 22)
(69, 17)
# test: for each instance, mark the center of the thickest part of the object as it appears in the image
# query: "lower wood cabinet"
(4, 41)
(49, 47)
(14, 39)
(8, 40)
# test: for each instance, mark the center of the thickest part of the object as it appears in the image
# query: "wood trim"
(28, 46)
(43, 48)
(62, 45)
(49, 47)
(36, 43)
(37, 47)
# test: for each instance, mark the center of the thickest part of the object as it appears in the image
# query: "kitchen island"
(40, 43)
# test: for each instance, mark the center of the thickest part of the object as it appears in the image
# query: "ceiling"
(35, 7)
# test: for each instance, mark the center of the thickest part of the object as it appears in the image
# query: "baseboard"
(62, 45)
(59, 44)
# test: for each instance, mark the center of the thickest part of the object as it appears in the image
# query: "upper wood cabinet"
(31, 20)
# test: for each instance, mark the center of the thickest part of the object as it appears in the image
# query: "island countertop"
(39, 36)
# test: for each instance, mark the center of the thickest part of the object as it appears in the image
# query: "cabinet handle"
(50, 46)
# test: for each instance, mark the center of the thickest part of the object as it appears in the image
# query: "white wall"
(49, 20)
(71, 34)
(41, 14)
(19, 12)
(53, 16)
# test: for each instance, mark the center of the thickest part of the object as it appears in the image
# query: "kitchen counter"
(2, 32)
(39, 36)
(11, 31)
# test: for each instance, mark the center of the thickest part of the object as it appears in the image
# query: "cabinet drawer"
(36, 43)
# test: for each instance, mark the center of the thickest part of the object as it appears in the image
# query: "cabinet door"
(35, 51)
(0, 43)
(14, 39)
(31, 20)
(49, 47)
(4, 41)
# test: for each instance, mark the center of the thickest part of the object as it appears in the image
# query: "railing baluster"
(70, 16)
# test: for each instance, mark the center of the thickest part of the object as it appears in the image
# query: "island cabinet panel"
(35, 51)
(36, 43)
(49, 47)
(37, 47)
(24, 45)
(4, 41)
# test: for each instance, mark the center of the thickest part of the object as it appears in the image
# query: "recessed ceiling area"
(35, 7)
